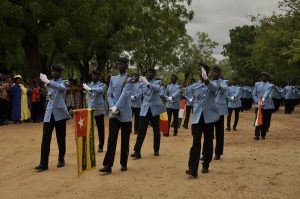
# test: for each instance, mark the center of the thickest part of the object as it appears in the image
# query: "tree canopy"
(273, 45)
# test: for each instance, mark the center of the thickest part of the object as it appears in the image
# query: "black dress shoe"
(204, 170)
(156, 153)
(228, 129)
(136, 155)
(105, 169)
(123, 168)
(234, 129)
(256, 138)
(60, 164)
(100, 150)
(263, 137)
(40, 168)
(217, 157)
(193, 174)
(184, 126)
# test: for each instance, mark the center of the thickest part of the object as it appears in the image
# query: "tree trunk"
(32, 59)
(84, 70)
(102, 61)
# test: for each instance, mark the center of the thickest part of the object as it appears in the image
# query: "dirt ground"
(249, 169)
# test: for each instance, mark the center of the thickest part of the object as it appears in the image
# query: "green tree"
(194, 52)
(239, 52)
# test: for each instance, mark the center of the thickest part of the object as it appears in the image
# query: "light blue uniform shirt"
(276, 93)
(221, 96)
(56, 90)
(234, 91)
(264, 90)
(119, 95)
(152, 99)
(205, 103)
(137, 93)
(289, 92)
(173, 90)
(188, 95)
(96, 97)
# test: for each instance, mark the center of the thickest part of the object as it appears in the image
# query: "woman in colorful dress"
(25, 112)
(16, 95)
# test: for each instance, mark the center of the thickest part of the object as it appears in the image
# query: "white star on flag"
(81, 122)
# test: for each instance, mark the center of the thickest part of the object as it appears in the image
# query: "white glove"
(133, 98)
(44, 78)
(263, 101)
(170, 99)
(232, 98)
(86, 87)
(144, 80)
(114, 110)
(191, 100)
(204, 75)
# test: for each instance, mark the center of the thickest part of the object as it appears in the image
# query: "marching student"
(151, 109)
(189, 103)
(263, 89)
(96, 90)
(119, 97)
(56, 117)
(234, 103)
(136, 102)
(289, 92)
(172, 96)
(222, 107)
(276, 96)
(205, 115)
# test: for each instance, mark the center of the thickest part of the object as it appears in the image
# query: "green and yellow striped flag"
(84, 136)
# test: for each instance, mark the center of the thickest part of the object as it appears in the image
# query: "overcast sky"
(217, 17)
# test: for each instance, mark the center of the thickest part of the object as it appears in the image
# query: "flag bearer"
(263, 89)
(119, 97)
(96, 90)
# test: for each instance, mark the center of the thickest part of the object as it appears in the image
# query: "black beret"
(217, 68)
(57, 67)
(265, 73)
(123, 60)
(96, 72)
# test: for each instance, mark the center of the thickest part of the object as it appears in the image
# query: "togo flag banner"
(163, 123)
(84, 136)
(259, 120)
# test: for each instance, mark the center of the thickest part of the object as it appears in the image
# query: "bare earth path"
(249, 169)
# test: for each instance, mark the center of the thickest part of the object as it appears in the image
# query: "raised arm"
(100, 89)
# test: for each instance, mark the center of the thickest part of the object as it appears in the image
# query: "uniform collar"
(124, 74)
